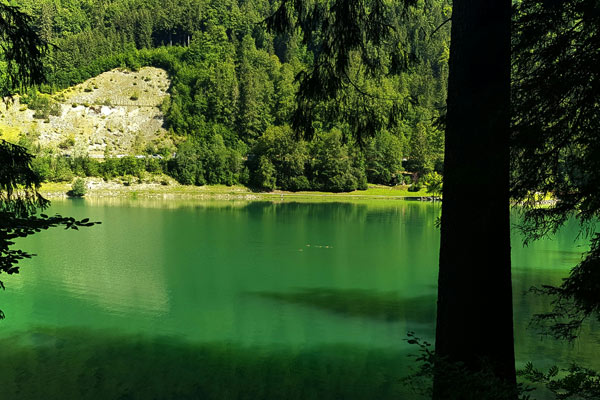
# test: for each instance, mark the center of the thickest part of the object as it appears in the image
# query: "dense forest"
(232, 95)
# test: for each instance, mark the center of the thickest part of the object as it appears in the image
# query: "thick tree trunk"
(474, 316)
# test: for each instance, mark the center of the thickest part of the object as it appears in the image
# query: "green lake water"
(245, 300)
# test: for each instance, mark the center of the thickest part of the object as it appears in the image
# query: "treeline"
(233, 90)
(60, 169)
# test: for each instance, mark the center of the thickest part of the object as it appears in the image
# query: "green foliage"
(280, 161)
(78, 188)
(574, 382)
(331, 167)
(383, 156)
(433, 183)
(22, 49)
(63, 172)
(67, 142)
(232, 78)
(555, 147)
(198, 163)
(415, 187)
(43, 105)
(419, 156)
(279, 149)
(265, 174)
(55, 168)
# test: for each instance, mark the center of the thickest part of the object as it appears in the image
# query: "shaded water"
(243, 300)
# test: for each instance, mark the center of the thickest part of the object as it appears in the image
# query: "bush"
(127, 180)
(130, 165)
(415, 187)
(42, 167)
(78, 188)
(62, 170)
(44, 106)
(67, 142)
(433, 183)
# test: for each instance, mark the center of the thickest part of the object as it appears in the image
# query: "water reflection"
(186, 270)
(64, 364)
(110, 265)
(228, 280)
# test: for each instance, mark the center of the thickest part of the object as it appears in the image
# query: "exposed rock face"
(117, 109)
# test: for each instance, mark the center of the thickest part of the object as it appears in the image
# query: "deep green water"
(238, 300)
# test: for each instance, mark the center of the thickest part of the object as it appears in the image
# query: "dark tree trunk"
(474, 316)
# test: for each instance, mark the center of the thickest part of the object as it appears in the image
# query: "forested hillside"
(232, 94)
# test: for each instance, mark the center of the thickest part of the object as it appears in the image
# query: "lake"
(245, 300)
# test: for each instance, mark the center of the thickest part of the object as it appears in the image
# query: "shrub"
(62, 170)
(44, 106)
(415, 187)
(433, 183)
(127, 180)
(130, 165)
(67, 142)
(78, 188)
(55, 110)
(41, 166)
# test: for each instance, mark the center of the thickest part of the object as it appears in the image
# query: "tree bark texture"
(474, 315)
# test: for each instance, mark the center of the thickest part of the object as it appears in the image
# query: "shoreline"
(97, 188)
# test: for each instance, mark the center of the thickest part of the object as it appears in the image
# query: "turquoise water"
(224, 300)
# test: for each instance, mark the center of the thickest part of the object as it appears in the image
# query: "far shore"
(97, 188)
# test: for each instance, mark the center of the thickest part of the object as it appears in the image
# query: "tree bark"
(474, 315)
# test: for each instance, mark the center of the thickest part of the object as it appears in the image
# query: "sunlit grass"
(373, 192)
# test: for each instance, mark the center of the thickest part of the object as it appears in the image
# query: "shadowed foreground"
(84, 364)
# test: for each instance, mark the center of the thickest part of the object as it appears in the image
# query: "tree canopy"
(232, 77)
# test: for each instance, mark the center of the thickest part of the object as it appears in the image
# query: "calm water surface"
(235, 300)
